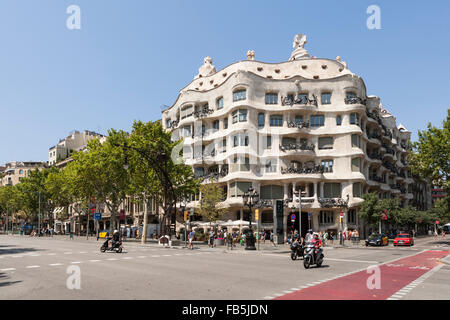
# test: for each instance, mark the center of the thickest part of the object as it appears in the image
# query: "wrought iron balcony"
(300, 125)
(372, 115)
(288, 101)
(316, 169)
(391, 167)
(333, 202)
(173, 124)
(375, 156)
(355, 100)
(374, 135)
(388, 149)
(297, 146)
(204, 112)
(376, 178)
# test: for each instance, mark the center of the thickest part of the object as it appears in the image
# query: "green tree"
(210, 202)
(431, 154)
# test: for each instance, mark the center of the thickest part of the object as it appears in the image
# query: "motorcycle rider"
(115, 238)
(309, 236)
(317, 246)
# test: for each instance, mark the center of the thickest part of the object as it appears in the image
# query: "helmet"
(115, 231)
(310, 231)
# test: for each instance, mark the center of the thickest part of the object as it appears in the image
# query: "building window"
(351, 216)
(326, 98)
(169, 123)
(271, 98)
(317, 121)
(338, 120)
(219, 103)
(271, 192)
(276, 121)
(354, 119)
(238, 188)
(225, 123)
(224, 145)
(328, 165)
(349, 96)
(356, 141)
(286, 141)
(199, 172)
(240, 140)
(332, 190)
(245, 165)
(357, 189)
(239, 115)
(186, 131)
(261, 119)
(326, 217)
(186, 111)
(20, 171)
(298, 119)
(356, 165)
(187, 152)
(267, 142)
(240, 95)
(325, 143)
(271, 165)
(216, 125)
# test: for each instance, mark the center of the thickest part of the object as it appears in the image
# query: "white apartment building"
(75, 141)
(13, 172)
(306, 125)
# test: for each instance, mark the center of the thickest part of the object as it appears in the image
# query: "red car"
(403, 239)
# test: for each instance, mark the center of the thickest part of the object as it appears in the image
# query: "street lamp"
(251, 198)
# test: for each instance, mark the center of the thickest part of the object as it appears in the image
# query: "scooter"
(308, 257)
(296, 250)
(117, 247)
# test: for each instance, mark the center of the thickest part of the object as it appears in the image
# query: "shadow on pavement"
(12, 250)
(6, 283)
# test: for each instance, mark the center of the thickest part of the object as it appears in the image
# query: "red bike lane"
(394, 276)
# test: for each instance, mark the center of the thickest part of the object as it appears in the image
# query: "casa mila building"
(301, 131)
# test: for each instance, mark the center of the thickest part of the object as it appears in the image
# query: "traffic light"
(257, 214)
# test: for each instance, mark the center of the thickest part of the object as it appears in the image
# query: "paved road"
(36, 268)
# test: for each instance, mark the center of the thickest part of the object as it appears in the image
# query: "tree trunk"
(144, 227)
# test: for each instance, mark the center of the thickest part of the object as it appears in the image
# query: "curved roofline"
(254, 61)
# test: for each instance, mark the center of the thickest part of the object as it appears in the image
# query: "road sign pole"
(300, 212)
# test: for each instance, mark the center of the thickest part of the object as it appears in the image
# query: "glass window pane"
(261, 119)
(220, 103)
(326, 98)
(326, 143)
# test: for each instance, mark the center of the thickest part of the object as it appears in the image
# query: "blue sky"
(131, 57)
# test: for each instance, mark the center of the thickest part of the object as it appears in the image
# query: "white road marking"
(167, 255)
(67, 252)
(30, 267)
(35, 255)
(55, 264)
(268, 297)
(127, 258)
(17, 256)
(51, 254)
(349, 260)
(82, 252)
(287, 291)
(8, 269)
(111, 259)
(75, 262)
(141, 257)
(295, 289)
(94, 260)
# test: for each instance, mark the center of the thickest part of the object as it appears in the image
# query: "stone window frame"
(269, 98)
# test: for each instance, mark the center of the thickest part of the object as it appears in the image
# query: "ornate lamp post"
(251, 198)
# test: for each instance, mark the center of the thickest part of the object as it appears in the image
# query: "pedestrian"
(191, 239)
(263, 236)
(325, 238)
(211, 238)
(229, 241)
(271, 238)
(225, 237)
(234, 236)
(443, 233)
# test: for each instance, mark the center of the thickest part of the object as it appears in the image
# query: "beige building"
(13, 172)
(306, 124)
(75, 141)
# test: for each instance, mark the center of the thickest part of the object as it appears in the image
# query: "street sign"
(309, 215)
(293, 216)
(98, 216)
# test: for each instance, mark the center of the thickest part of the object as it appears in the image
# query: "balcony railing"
(374, 135)
(297, 146)
(333, 202)
(288, 101)
(376, 178)
(204, 112)
(388, 149)
(173, 124)
(316, 169)
(355, 100)
(375, 156)
(374, 116)
(391, 167)
(300, 125)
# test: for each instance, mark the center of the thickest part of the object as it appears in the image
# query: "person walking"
(191, 239)
(325, 238)
(211, 238)
(271, 238)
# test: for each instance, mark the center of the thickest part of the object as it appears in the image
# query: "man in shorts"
(190, 239)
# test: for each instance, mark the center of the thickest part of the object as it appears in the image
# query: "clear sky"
(131, 57)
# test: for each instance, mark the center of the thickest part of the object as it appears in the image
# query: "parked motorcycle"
(296, 250)
(117, 247)
(309, 256)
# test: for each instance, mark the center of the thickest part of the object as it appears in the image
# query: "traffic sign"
(293, 216)
(98, 216)
(341, 214)
(309, 215)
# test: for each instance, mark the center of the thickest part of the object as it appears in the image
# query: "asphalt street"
(37, 268)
